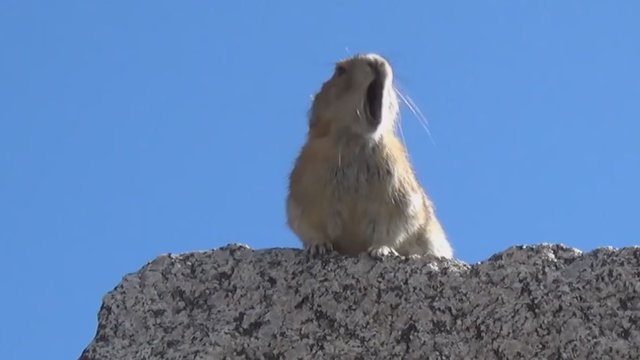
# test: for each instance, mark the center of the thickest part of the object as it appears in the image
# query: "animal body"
(352, 188)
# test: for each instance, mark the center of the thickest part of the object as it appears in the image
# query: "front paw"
(319, 249)
(379, 252)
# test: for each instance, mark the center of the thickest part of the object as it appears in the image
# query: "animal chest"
(360, 177)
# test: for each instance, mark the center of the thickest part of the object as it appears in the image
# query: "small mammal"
(352, 188)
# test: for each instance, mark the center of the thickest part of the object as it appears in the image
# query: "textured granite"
(535, 302)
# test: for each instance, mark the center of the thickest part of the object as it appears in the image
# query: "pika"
(352, 188)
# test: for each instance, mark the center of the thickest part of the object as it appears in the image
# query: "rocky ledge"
(528, 302)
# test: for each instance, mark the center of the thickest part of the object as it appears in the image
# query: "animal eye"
(340, 70)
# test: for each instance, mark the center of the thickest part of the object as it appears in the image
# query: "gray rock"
(528, 302)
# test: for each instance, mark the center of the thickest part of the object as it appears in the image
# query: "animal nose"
(379, 68)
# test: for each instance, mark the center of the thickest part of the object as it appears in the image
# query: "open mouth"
(373, 100)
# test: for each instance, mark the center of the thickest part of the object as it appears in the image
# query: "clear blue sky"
(131, 129)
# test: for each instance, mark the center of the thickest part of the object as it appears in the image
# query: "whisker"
(404, 143)
(418, 114)
(413, 107)
(417, 108)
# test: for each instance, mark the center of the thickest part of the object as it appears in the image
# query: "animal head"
(359, 98)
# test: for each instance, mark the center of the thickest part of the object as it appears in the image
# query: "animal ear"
(312, 115)
(318, 126)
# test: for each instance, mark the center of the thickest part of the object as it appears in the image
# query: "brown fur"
(352, 188)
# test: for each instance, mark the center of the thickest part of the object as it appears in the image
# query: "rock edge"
(527, 302)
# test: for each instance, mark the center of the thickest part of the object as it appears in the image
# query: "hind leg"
(436, 239)
(313, 240)
(391, 232)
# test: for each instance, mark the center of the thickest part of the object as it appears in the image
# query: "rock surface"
(528, 302)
